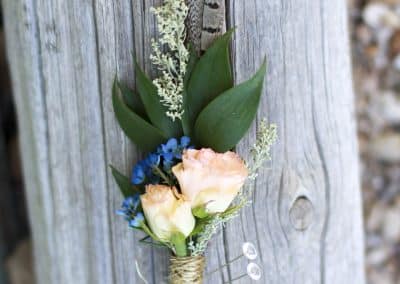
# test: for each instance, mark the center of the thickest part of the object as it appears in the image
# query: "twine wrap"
(186, 270)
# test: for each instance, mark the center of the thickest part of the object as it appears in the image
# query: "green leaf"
(200, 225)
(211, 76)
(193, 59)
(142, 133)
(233, 210)
(226, 119)
(200, 212)
(133, 100)
(127, 189)
(151, 242)
(148, 231)
(154, 108)
(179, 241)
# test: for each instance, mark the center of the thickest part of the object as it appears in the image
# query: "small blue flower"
(170, 147)
(143, 170)
(131, 202)
(185, 141)
(129, 209)
(120, 212)
(152, 160)
(136, 222)
(167, 165)
(138, 174)
(167, 155)
(171, 152)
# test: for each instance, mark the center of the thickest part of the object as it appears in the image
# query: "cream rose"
(167, 211)
(210, 179)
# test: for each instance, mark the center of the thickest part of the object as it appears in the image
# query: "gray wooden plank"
(115, 40)
(75, 145)
(23, 56)
(64, 54)
(195, 22)
(308, 94)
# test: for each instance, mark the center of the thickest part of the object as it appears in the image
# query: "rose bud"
(210, 179)
(167, 212)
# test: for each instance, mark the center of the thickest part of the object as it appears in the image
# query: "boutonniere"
(188, 121)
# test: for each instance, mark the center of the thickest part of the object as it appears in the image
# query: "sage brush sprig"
(170, 55)
(261, 151)
(210, 229)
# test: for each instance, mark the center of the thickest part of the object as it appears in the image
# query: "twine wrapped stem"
(186, 270)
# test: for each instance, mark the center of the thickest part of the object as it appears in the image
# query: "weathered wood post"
(306, 216)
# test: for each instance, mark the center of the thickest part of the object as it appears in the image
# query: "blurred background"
(15, 252)
(375, 38)
(375, 35)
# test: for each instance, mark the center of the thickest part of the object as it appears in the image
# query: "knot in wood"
(301, 213)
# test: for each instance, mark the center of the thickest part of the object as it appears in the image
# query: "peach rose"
(210, 179)
(167, 212)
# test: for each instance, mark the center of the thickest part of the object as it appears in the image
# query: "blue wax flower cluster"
(129, 210)
(150, 169)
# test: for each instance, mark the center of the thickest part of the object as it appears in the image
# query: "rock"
(396, 63)
(378, 256)
(377, 182)
(373, 241)
(391, 226)
(375, 219)
(372, 53)
(386, 148)
(380, 277)
(394, 44)
(391, 19)
(364, 34)
(386, 107)
(373, 14)
(378, 14)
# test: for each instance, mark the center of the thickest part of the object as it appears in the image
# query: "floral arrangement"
(188, 120)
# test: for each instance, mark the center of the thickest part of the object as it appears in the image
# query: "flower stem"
(162, 175)
(179, 242)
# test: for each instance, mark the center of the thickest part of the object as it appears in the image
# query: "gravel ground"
(375, 33)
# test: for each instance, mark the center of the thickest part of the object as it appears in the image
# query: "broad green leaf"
(142, 133)
(133, 100)
(227, 118)
(179, 241)
(154, 108)
(233, 210)
(211, 76)
(151, 242)
(127, 189)
(200, 225)
(193, 59)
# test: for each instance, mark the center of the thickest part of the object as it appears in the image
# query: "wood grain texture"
(306, 216)
(214, 22)
(194, 22)
(308, 94)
